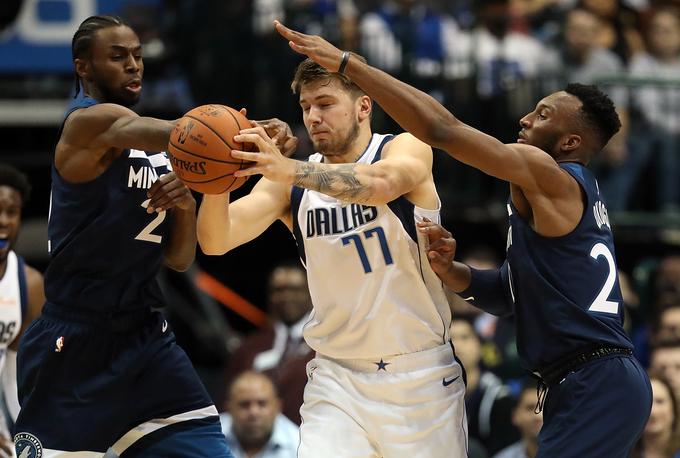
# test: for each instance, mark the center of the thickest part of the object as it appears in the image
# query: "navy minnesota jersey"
(565, 289)
(105, 248)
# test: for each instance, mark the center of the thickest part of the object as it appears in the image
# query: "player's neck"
(355, 150)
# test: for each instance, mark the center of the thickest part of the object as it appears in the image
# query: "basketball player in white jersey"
(21, 295)
(385, 382)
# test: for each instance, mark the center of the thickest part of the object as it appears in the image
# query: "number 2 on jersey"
(359, 244)
(145, 233)
(601, 302)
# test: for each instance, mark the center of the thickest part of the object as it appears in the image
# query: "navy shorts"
(90, 384)
(598, 411)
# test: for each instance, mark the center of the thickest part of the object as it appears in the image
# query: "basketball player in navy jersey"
(560, 278)
(100, 369)
(21, 294)
(384, 381)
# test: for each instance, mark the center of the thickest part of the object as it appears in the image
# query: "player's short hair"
(9, 176)
(597, 111)
(309, 71)
(81, 44)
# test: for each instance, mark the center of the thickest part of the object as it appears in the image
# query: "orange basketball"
(200, 149)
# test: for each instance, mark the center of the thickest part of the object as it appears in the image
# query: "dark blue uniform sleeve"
(489, 290)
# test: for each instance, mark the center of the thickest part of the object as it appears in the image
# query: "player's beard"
(340, 146)
(113, 95)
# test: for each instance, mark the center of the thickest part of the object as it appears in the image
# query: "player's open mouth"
(134, 86)
(4, 241)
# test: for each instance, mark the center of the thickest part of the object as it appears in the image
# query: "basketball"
(200, 149)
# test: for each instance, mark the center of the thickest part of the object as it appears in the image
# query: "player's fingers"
(262, 144)
(245, 155)
(299, 49)
(287, 33)
(244, 112)
(253, 170)
(446, 245)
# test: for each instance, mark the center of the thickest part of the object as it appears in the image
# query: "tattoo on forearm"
(339, 181)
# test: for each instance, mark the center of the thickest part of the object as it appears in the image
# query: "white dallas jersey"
(13, 301)
(11, 306)
(372, 287)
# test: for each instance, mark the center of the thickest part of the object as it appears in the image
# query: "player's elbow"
(180, 262)
(211, 246)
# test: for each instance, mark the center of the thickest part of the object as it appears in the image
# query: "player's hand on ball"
(313, 46)
(442, 246)
(169, 192)
(269, 161)
(280, 132)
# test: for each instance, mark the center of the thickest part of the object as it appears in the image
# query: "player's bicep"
(406, 164)
(95, 126)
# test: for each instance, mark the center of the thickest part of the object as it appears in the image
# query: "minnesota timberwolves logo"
(27, 446)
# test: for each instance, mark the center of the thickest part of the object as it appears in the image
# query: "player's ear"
(365, 107)
(571, 142)
(82, 67)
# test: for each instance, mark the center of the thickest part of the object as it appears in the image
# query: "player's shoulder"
(406, 143)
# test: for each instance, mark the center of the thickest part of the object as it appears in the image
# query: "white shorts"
(403, 406)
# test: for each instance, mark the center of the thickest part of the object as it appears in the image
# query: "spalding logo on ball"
(200, 149)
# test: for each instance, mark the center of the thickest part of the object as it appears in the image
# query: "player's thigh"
(431, 421)
(598, 411)
(330, 424)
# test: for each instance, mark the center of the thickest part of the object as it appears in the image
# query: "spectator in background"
(619, 27)
(669, 323)
(661, 436)
(279, 349)
(667, 281)
(488, 402)
(580, 59)
(409, 39)
(528, 422)
(254, 425)
(655, 130)
(665, 360)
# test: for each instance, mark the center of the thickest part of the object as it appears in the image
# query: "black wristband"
(343, 62)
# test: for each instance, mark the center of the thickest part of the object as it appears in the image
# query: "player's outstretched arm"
(107, 125)
(424, 117)
(223, 226)
(406, 163)
(488, 290)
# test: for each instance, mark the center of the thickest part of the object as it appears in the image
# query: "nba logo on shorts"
(27, 446)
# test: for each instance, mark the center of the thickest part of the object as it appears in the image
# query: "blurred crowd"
(489, 60)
